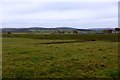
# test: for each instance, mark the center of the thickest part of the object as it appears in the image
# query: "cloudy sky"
(59, 14)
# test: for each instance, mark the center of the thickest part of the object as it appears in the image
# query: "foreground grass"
(28, 58)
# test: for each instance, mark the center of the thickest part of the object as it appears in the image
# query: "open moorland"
(60, 55)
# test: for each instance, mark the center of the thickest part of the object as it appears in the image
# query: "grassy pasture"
(60, 56)
(83, 37)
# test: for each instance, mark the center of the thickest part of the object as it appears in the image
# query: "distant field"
(60, 56)
(82, 37)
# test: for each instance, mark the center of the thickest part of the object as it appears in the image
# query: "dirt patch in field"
(62, 42)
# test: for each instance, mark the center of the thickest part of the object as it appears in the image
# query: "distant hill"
(34, 28)
(84, 29)
(96, 29)
(57, 28)
(64, 28)
(15, 29)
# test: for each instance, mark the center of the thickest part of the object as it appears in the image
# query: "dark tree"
(69, 32)
(109, 31)
(104, 31)
(62, 32)
(59, 32)
(117, 30)
(8, 32)
(75, 31)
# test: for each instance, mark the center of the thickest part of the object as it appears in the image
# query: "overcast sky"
(59, 14)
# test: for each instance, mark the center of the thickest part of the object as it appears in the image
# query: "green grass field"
(60, 56)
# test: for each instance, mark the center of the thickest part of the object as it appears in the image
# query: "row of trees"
(63, 32)
(116, 30)
(109, 31)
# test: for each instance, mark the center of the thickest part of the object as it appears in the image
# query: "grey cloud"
(35, 14)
